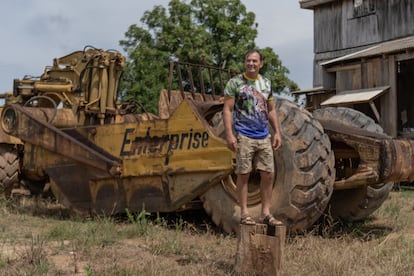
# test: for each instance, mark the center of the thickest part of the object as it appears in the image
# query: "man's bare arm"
(228, 123)
(274, 122)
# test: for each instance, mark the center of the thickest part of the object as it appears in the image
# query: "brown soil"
(38, 237)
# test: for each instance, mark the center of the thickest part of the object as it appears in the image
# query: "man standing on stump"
(248, 109)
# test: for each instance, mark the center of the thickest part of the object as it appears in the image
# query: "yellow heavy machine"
(68, 133)
(96, 154)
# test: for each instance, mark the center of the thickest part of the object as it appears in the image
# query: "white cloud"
(34, 32)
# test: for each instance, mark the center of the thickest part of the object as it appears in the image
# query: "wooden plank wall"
(337, 32)
(372, 73)
(336, 27)
(341, 29)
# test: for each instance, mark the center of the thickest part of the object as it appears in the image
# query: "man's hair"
(254, 51)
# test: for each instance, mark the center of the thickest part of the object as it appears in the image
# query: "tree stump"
(260, 249)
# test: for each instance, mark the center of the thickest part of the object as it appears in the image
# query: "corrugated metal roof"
(388, 47)
(355, 96)
(312, 91)
(310, 4)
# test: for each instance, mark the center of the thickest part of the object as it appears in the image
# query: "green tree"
(211, 32)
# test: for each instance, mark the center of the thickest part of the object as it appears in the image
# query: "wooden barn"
(364, 59)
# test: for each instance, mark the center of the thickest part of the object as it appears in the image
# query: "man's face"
(252, 63)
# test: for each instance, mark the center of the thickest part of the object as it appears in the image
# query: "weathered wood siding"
(372, 73)
(340, 29)
(339, 26)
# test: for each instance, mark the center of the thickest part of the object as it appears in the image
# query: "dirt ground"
(39, 238)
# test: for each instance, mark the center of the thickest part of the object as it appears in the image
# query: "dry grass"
(381, 245)
(37, 237)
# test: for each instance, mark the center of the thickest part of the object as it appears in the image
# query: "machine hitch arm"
(19, 122)
(382, 158)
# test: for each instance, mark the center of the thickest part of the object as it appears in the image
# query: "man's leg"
(242, 191)
(266, 188)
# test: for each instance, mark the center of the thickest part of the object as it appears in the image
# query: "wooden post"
(260, 249)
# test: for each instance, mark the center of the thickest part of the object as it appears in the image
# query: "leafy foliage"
(210, 32)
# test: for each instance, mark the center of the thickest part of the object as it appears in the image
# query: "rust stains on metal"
(381, 158)
(37, 132)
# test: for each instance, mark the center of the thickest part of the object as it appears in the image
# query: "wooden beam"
(338, 68)
(375, 110)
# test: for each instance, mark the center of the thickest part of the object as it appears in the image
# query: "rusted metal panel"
(381, 158)
(37, 132)
(8, 139)
(398, 160)
(162, 163)
(146, 192)
(365, 145)
(160, 145)
(101, 157)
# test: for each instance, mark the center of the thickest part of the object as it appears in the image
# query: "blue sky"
(36, 31)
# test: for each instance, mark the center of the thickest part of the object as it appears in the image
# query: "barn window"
(364, 7)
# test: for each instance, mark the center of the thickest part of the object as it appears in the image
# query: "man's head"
(254, 51)
(253, 62)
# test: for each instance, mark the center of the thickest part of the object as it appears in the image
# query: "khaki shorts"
(257, 153)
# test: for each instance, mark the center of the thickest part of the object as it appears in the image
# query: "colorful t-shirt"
(250, 114)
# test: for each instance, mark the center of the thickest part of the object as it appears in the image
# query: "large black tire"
(354, 204)
(303, 184)
(9, 169)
